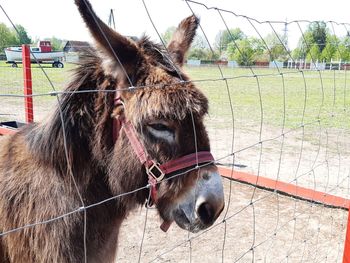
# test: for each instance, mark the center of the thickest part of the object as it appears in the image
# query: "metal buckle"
(155, 171)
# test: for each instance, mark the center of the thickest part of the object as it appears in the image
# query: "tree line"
(316, 44)
(10, 37)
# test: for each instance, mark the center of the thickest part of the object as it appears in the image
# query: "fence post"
(346, 256)
(27, 78)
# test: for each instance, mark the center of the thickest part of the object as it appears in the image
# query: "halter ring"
(155, 171)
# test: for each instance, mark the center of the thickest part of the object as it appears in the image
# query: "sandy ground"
(273, 228)
(314, 157)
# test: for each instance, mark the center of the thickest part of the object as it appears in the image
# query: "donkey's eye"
(161, 131)
(160, 127)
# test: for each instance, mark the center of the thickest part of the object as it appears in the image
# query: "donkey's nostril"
(206, 176)
(206, 213)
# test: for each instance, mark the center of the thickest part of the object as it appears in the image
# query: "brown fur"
(36, 179)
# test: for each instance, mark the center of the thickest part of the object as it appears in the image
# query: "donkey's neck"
(79, 131)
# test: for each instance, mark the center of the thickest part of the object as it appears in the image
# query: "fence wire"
(288, 123)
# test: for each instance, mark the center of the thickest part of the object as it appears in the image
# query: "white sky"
(47, 18)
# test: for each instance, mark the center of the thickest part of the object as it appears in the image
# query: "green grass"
(305, 98)
(11, 79)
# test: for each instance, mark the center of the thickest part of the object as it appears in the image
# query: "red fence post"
(27, 77)
(346, 257)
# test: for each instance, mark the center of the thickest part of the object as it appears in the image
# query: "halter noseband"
(155, 171)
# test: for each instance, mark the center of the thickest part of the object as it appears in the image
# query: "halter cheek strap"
(155, 171)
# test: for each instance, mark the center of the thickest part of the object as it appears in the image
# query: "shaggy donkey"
(44, 164)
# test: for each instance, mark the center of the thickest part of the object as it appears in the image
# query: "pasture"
(288, 125)
(289, 98)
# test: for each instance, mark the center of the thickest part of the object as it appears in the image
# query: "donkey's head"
(165, 111)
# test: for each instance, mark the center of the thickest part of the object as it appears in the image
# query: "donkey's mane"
(82, 114)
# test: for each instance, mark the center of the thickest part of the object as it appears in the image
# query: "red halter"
(154, 170)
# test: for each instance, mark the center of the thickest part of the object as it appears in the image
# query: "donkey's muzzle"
(205, 202)
(210, 197)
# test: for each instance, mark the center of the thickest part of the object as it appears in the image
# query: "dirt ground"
(273, 228)
(312, 156)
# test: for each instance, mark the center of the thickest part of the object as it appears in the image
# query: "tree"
(223, 38)
(231, 49)
(318, 48)
(316, 34)
(202, 54)
(56, 43)
(246, 51)
(297, 53)
(319, 33)
(276, 49)
(258, 45)
(22, 35)
(10, 37)
(314, 53)
(7, 37)
(244, 54)
(330, 50)
(196, 53)
(301, 50)
(343, 50)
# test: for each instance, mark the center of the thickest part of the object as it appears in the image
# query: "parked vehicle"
(41, 54)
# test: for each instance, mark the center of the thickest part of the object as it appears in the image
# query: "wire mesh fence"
(11, 83)
(286, 124)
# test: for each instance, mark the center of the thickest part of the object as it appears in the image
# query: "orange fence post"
(27, 77)
(346, 257)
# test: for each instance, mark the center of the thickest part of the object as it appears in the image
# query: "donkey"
(142, 128)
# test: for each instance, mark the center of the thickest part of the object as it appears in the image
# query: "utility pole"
(111, 22)
(285, 34)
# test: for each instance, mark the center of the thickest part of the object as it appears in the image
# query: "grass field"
(290, 99)
(293, 98)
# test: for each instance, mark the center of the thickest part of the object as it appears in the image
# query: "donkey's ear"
(120, 52)
(182, 38)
